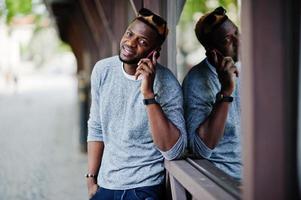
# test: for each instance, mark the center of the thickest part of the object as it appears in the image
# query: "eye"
(143, 42)
(128, 33)
(226, 40)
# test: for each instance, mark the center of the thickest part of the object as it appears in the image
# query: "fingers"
(227, 61)
(143, 71)
(228, 66)
(154, 59)
(145, 67)
(147, 61)
(92, 191)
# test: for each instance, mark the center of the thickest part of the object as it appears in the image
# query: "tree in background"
(189, 50)
(16, 8)
(28, 25)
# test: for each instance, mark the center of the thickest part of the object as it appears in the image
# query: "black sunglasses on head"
(220, 11)
(156, 19)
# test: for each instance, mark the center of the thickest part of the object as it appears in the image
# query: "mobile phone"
(150, 55)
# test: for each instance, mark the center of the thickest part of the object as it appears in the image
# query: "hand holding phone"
(225, 69)
(220, 61)
(146, 70)
(152, 54)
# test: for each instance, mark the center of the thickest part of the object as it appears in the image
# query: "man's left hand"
(147, 69)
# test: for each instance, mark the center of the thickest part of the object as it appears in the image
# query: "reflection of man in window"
(211, 95)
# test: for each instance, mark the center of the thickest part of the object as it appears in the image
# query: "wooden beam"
(107, 27)
(153, 5)
(91, 21)
(199, 185)
(138, 4)
(222, 179)
(134, 7)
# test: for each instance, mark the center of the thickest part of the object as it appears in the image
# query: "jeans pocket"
(142, 195)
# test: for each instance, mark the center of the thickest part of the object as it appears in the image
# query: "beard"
(132, 61)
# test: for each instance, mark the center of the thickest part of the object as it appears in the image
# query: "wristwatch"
(220, 97)
(149, 101)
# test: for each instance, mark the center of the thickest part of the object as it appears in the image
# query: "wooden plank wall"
(270, 37)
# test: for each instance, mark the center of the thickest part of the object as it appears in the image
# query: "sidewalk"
(39, 151)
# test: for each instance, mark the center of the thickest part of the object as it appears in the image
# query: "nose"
(131, 42)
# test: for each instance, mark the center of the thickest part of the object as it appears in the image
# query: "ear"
(212, 55)
(209, 53)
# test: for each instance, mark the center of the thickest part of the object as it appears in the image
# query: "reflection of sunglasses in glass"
(212, 17)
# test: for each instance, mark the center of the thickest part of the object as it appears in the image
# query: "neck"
(211, 61)
(130, 68)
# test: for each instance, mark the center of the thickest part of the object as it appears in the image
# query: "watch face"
(221, 98)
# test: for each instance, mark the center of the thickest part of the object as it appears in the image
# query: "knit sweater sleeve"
(94, 125)
(170, 98)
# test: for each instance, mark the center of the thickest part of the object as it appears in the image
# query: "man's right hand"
(92, 187)
(226, 71)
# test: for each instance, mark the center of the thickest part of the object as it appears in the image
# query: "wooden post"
(269, 98)
(177, 190)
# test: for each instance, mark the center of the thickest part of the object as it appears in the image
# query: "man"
(136, 117)
(211, 95)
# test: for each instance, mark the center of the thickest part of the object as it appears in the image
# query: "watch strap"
(220, 97)
(149, 101)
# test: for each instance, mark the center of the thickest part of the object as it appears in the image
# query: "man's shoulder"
(165, 75)
(200, 78)
(164, 71)
(109, 62)
(199, 72)
(201, 67)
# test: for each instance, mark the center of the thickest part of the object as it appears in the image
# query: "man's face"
(138, 40)
(226, 40)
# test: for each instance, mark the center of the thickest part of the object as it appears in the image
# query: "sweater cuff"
(92, 137)
(201, 148)
(176, 151)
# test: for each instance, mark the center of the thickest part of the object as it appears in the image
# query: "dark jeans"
(142, 193)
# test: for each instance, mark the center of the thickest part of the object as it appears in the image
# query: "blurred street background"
(40, 156)
(47, 51)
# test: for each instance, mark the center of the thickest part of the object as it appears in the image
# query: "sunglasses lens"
(211, 19)
(220, 11)
(145, 12)
(158, 20)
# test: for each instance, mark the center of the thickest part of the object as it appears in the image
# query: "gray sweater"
(200, 87)
(118, 117)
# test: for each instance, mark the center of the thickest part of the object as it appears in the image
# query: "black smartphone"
(150, 55)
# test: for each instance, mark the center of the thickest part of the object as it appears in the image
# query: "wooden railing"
(199, 179)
